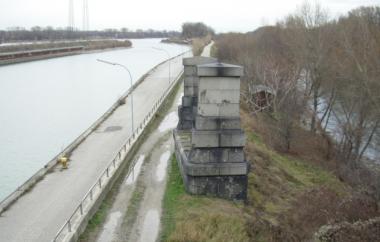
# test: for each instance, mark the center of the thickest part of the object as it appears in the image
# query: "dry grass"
(206, 219)
(199, 43)
(291, 195)
(198, 218)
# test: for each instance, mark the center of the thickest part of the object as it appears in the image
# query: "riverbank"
(78, 87)
(289, 198)
(89, 158)
(13, 54)
(39, 175)
(176, 40)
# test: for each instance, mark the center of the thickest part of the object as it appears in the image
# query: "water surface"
(46, 104)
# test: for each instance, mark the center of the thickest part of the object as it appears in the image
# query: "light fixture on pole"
(168, 56)
(130, 77)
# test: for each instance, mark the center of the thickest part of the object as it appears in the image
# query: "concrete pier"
(188, 109)
(209, 147)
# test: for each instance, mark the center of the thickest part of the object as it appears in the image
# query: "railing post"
(69, 225)
(114, 164)
(91, 195)
(100, 182)
(108, 175)
(81, 208)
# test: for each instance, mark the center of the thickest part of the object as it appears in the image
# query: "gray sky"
(222, 15)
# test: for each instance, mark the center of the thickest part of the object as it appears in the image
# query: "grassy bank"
(289, 199)
(198, 218)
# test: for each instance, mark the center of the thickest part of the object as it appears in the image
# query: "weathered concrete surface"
(210, 151)
(224, 70)
(217, 138)
(154, 154)
(188, 109)
(193, 165)
(203, 123)
(216, 178)
(39, 214)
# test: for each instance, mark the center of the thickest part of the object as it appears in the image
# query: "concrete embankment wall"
(26, 186)
(55, 55)
(38, 57)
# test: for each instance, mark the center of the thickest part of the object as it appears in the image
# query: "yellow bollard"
(63, 160)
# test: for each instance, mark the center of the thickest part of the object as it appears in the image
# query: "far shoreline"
(35, 53)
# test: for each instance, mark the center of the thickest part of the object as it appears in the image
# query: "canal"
(46, 104)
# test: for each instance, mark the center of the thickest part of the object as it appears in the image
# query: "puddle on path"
(170, 122)
(150, 227)
(110, 227)
(161, 168)
(180, 99)
(132, 177)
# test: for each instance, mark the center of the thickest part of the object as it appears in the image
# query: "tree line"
(196, 30)
(38, 33)
(325, 73)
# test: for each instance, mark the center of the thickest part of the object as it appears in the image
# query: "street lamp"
(130, 77)
(168, 56)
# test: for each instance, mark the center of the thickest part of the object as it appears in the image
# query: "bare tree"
(359, 98)
(309, 37)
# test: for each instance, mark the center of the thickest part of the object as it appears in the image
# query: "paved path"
(207, 50)
(147, 225)
(150, 176)
(153, 158)
(39, 214)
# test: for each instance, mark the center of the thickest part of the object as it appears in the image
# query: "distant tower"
(86, 21)
(71, 15)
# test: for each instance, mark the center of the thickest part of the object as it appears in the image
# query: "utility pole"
(131, 85)
(71, 15)
(86, 18)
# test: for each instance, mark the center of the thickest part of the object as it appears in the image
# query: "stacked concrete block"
(215, 163)
(187, 110)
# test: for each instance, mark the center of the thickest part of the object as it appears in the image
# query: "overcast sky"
(222, 15)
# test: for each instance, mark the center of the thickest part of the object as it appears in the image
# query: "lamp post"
(168, 56)
(130, 77)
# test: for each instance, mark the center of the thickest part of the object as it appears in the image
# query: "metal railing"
(96, 189)
(19, 191)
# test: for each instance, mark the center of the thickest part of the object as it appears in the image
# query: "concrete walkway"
(149, 176)
(39, 214)
(207, 50)
(150, 172)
